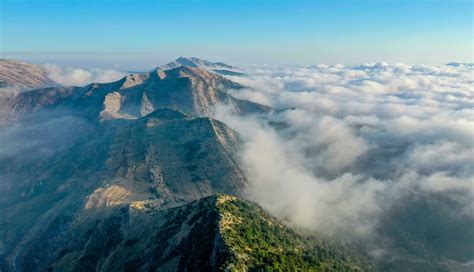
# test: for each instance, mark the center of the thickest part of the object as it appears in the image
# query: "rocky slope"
(17, 77)
(21, 76)
(218, 233)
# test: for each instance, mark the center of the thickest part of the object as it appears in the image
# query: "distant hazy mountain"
(217, 67)
(461, 64)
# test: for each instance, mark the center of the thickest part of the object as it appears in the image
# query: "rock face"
(190, 90)
(217, 233)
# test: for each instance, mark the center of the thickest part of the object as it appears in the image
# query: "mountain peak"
(215, 67)
(190, 71)
(191, 61)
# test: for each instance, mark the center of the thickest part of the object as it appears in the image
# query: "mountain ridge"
(216, 233)
(191, 90)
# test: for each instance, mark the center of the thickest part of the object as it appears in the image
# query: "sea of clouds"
(354, 141)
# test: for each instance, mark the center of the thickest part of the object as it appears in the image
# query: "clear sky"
(136, 34)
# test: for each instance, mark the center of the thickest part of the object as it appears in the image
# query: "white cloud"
(283, 182)
(80, 77)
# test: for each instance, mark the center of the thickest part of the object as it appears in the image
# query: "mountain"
(166, 156)
(217, 67)
(194, 91)
(217, 233)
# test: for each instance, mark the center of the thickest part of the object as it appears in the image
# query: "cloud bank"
(357, 141)
(80, 77)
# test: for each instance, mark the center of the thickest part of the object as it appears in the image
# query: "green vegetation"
(259, 242)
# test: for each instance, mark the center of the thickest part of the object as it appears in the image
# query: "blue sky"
(137, 34)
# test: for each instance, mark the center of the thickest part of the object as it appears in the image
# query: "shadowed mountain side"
(190, 90)
(217, 233)
(166, 156)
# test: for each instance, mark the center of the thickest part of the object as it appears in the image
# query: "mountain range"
(187, 89)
